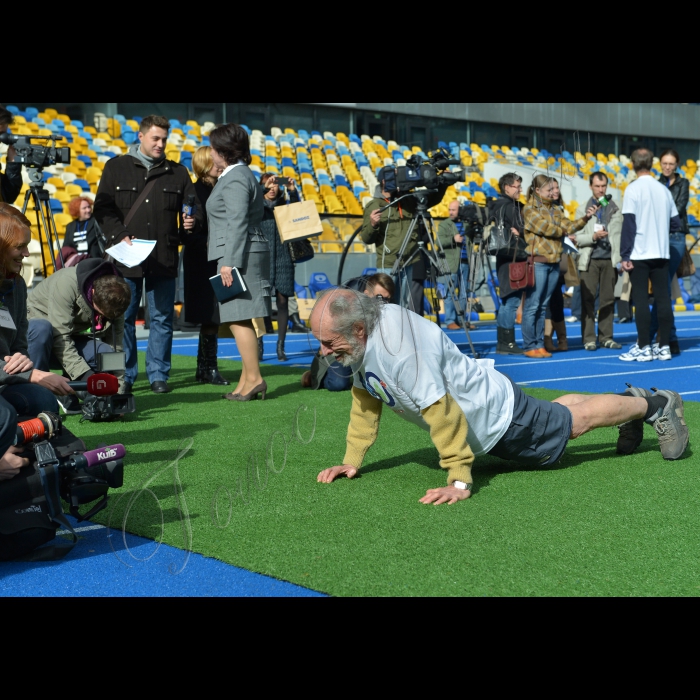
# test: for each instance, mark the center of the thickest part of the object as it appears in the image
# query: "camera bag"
(31, 509)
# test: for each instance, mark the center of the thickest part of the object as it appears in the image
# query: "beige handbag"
(298, 221)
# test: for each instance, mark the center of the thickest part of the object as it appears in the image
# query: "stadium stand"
(336, 171)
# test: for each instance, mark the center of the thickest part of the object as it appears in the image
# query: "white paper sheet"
(134, 254)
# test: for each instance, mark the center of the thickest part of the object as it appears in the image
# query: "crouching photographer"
(76, 323)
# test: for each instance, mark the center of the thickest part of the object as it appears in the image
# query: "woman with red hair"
(84, 234)
(19, 393)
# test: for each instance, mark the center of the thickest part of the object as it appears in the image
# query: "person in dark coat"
(83, 234)
(201, 304)
(508, 209)
(158, 218)
(281, 265)
(679, 187)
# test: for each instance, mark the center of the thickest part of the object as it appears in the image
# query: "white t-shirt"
(653, 207)
(410, 364)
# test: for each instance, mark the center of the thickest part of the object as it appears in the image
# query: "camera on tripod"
(430, 174)
(38, 157)
(470, 215)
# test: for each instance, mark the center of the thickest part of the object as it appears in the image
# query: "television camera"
(34, 156)
(430, 174)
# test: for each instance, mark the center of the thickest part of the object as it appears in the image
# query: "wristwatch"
(462, 486)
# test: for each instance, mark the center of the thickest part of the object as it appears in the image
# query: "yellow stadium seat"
(74, 191)
(56, 182)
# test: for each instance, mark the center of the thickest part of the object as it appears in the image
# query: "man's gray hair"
(348, 308)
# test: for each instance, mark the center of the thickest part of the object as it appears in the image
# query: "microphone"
(98, 385)
(189, 208)
(94, 458)
(605, 200)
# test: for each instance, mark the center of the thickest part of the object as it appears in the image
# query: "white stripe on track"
(612, 374)
(83, 529)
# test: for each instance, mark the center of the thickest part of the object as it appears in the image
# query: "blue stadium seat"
(120, 118)
(86, 159)
(12, 108)
(369, 271)
(175, 124)
(129, 136)
(82, 183)
(318, 282)
(31, 112)
(79, 124)
(300, 291)
(442, 144)
(247, 129)
(56, 206)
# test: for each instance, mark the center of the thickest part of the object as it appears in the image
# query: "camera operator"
(11, 179)
(508, 210)
(388, 230)
(453, 239)
(92, 296)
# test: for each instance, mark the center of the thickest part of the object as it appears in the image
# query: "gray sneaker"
(632, 433)
(671, 427)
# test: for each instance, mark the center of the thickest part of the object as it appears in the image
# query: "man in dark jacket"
(11, 180)
(91, 297)
(157, 217)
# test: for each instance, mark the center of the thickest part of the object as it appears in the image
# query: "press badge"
(6, 320)
(83, 247)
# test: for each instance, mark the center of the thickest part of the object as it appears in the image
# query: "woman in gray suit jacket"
(235, 212)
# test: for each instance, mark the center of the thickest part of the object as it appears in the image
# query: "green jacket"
(393, 228)
(453, 250)
(62, 300)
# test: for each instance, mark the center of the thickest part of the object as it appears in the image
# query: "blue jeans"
(460, 280)
(508, 311)
(677, 249)
(406, 293)
(160, 297)
(338, 378)
(536, 301)
(26, 400)
(40, 339)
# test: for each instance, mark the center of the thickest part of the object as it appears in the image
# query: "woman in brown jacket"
(545, 227)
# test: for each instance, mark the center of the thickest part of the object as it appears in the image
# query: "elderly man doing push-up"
(409, 365)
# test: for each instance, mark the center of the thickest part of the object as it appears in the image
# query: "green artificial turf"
(596, 524)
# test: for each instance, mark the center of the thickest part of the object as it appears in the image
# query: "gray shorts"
(538, 434)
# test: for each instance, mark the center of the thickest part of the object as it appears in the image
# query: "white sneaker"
(655, 350)
(571, 319)
(664, 354)
(638, 354)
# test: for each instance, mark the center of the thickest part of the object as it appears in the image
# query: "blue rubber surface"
(108, 562)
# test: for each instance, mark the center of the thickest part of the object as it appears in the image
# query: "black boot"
(297, 325)
(210, 349)
(200, 376)
(280, 351)
(261, 349)
(506, 342)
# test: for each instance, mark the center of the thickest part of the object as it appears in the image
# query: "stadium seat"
(318, 282)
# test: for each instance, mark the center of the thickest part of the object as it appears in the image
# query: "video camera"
(84, 477)
(430, 174)
(105, 402)
(470, 215)
(37, 157)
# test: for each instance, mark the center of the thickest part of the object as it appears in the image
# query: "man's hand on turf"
(447, 494)
(329, 475)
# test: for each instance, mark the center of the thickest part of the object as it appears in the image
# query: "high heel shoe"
(280, 351)
(260, 389)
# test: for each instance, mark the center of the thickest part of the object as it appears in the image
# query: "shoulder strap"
(142, 198)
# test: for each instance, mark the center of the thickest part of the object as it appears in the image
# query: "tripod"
(44, 217)
(476, 261)
(423, 218)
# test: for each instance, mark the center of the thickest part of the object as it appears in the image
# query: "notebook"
(224, 294)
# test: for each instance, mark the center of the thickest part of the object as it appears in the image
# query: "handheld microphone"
(189, 208)
(605, 200)
(98, 385)
(94, 458)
